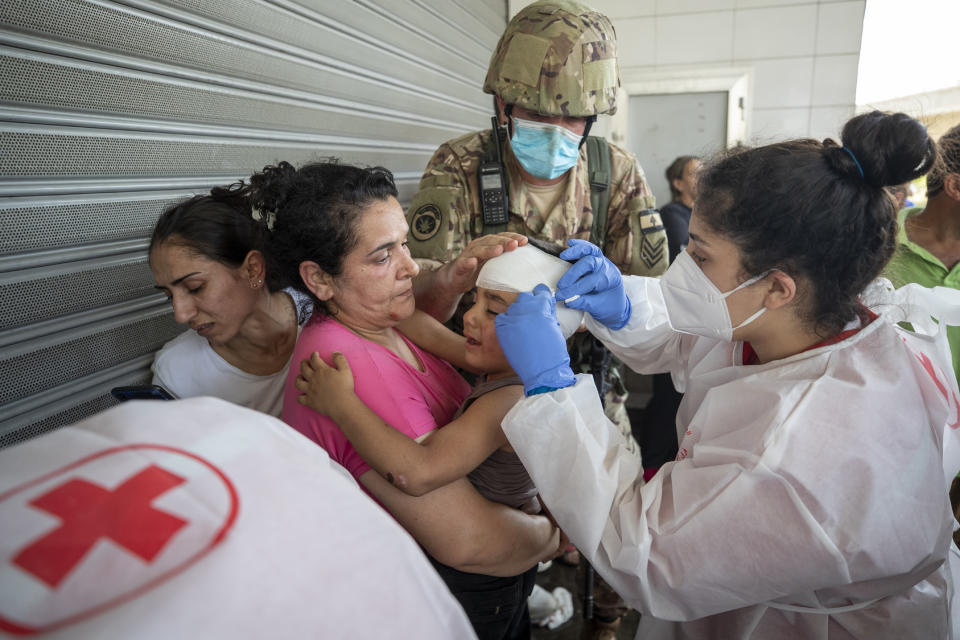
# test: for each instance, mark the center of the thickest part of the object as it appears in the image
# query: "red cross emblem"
(90, 512)
(84, 538)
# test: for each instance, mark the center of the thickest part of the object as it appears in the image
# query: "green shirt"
(913, 263)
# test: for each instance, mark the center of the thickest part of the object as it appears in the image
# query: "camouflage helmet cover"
(557, 57)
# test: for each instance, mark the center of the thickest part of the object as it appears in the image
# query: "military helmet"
(559, 58)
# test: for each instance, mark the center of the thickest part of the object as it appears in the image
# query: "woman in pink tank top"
(339, 235)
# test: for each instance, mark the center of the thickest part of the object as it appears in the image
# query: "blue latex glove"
(530, 337)
(598, 284)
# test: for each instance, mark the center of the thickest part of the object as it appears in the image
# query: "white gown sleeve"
(647, 343)
(695, 541)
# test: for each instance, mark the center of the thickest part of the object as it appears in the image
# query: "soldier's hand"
(462, 272)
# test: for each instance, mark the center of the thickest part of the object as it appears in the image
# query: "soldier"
(553, 71)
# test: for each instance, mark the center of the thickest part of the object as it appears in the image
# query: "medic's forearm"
(647, 343)
(583, 474)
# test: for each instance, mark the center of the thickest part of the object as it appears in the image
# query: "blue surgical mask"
(546, 151)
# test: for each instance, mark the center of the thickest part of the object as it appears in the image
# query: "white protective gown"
(813, 482)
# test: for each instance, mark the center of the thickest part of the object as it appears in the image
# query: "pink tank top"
(412, 401)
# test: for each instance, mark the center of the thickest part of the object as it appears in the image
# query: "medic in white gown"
(808, 498)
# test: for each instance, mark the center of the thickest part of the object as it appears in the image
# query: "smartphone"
(142, 392)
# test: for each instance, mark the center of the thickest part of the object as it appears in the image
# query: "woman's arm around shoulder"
(460, 528)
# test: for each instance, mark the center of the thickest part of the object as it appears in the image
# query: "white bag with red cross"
(201, 519)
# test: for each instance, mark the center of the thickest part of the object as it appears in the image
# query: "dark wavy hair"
(218, 226)
(804, 208)
(948, 161)
(675, 172)
(316, 211)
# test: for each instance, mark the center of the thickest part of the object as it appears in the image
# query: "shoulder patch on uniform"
(425, 222)
(650, 220)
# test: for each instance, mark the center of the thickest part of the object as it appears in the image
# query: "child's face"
(483, 348)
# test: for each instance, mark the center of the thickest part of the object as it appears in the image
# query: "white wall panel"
(831, 80)
(834, 35)
(776, 32)
(782, 82)
(111, 111)
(665, 7)
(827, 122)
(642, 36)
(711, 32)
(772, 125)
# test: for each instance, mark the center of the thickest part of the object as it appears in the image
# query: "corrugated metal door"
(110, 111)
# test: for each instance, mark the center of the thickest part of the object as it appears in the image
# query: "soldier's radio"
(492, 180)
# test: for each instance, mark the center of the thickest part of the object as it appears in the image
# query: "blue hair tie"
(855, 161)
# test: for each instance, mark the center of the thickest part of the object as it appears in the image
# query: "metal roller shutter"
(110, 111)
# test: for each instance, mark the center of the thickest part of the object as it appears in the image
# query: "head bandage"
(524, 268)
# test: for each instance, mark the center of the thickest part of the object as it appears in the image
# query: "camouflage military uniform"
(445, 216)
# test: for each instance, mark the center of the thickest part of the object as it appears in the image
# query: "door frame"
(735, 81)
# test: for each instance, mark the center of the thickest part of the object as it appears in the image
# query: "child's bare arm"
(429, 334)
(416, 468)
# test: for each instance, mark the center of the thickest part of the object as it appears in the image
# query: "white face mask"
(695, 305)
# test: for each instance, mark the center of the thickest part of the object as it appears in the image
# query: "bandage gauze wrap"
(524, 268)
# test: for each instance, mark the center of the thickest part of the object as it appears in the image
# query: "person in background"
(928, 240)
(901, 194)
(928, 246)
(808, 498)
(339, 236)
(682, 178)
(206, 255)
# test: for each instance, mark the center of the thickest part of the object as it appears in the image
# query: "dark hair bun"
(269, 187)
(890, 149)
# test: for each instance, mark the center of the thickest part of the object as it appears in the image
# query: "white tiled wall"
(711, 31)
(775, 32)
(802, 54)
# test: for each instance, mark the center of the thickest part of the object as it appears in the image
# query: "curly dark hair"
(317, 210)
(817, 211)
